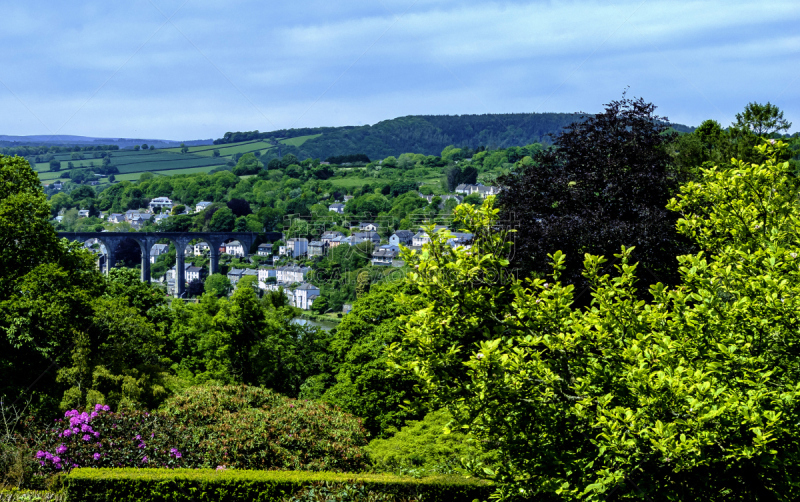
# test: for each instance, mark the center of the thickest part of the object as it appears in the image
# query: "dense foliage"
(690, 396)
(605, 184)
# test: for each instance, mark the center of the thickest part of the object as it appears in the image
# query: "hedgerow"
(162, 485)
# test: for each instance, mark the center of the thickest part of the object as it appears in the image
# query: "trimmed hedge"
(16, 495)
(178, 485)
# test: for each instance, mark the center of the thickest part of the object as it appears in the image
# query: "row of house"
(301, 296)
(482, 190)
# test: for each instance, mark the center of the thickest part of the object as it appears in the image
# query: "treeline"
(27, 151)
(425, 134)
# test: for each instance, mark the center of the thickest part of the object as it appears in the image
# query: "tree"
(216, 152)
(217, 285)
(112, 178)
(144, 146)
(136, 148)
(222, 221)
(247, 164)
(184, 148)
(762, 120)
(55, 165)
(363, 283)
(178, 209)
(362, 385)
(152, 147)
(605, 183)
(691, 396)
(240, 207)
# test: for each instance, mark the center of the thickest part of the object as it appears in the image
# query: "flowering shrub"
(253, 428)
(101, 438)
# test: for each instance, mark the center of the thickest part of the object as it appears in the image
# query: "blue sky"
(191, 69)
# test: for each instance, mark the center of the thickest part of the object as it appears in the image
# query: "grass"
(351, 182)
(299, 140)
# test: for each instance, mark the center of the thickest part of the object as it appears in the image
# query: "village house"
(316, 248)
(296, 247)
(160, 203)
(367, 227)
(404, 237)
(200, 206)
(264, 249)
(194, 274)
(201, 248)
(234, 248)
(329, 235)
(304, 296)
(157, 250)
(359, 237)
(383, 257)
(420, 239)
(83, 213)
(336, 207)
(289, 274)
(264, 274)
(116, 218)
(235, 275)
(484, 191)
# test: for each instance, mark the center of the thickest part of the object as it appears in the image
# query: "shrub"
(155, 485)
(16, 495)
(424, 446)
(254, 428)
(105, 439)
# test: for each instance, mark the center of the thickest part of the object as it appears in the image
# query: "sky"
(195, 69)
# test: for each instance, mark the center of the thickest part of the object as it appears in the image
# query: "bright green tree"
(217, 285)
(692, 396)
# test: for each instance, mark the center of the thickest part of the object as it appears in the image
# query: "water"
(326, 325)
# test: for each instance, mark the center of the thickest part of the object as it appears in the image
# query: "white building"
(161, 203)
(296, 247)
(304, 296)
(157, 250)
(330, 235)
(201, 248)
(265, 273)
(83, 213)
(265, 249)
(194, 274)
(337, 207)
(201, 206)
(420, 239)
(234, 248)
(290, 274)
(367, 227)
(484, 191)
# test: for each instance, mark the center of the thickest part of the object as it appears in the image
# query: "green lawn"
(351, 182)
(225, 150)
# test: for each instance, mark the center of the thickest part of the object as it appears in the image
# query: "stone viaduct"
(146, 240)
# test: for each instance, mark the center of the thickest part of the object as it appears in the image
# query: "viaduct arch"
(146, 240)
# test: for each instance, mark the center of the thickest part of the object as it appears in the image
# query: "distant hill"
(67, 140)
(426, 134)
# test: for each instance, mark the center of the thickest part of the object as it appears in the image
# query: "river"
(327, 326)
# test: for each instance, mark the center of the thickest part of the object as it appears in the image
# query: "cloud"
(122, 70)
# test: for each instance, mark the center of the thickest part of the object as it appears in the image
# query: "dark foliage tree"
(240, 207)
(55, 165)
(128, 252)
(605, 184)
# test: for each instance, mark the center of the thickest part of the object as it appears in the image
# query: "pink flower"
(94, 414)
(40, 454)
(98, 407)
(96, 456)
(61, 449)
(106, 408)
(67, 433)
(86, 437)
(145, 460)
(56, 459)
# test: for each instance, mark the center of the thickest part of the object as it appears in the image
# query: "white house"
(234, 248)
(420, 239)
(265, 273)
(296, 247)
(161, 203)
(304, 296)
(194, 274)
(265, 249)
(367, 227)
(336, 207)
(383, 257)
(289, 274)
(201, 248)
(157, 250)
(359, 237)
(484, 191)
(201, 206)
(234, 275)
(116, 218)
(83, 213)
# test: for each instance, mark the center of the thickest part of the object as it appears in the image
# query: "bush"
(254, 428)
(156, 485)
(424, 447)
(31, 496)
(105, 439)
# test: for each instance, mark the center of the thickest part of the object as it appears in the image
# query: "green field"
(170, 161)
(299, 140)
